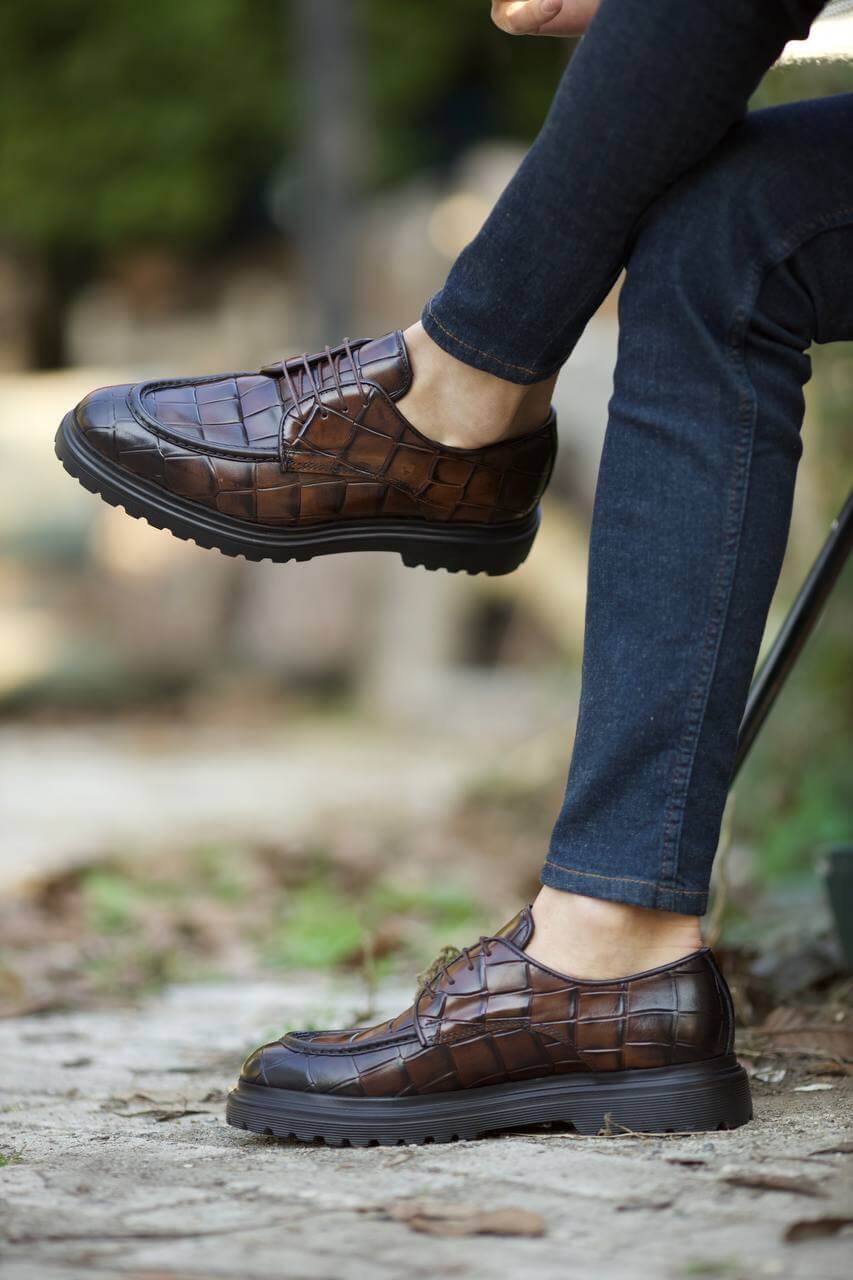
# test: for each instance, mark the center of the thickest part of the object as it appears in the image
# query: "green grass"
(321, 929)
(138, 924)
(112, 900)
(324, 927)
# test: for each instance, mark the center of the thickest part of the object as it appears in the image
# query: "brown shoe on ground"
(307, 457)
(496, 1041)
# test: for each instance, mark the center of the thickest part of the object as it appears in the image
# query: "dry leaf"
(160, 1110)
(437, 1218)
(839, 1149)
(775, 1182)
(812, 1088)
(402, 1157)
(769, 1075)
(119, 1100)
(807, 1031)
(815, 1229)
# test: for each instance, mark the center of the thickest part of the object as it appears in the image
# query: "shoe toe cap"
(252, 1070)
(278, 1067)
(105, 419)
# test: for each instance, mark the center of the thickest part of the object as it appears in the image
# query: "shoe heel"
(492, 550)
(716, 1097)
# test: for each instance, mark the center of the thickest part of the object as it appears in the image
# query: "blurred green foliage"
(325, 926)
(440, 74)
(136, 924)
(125, 123)
(806, 80)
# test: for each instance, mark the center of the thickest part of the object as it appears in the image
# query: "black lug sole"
(491, 549)
(695, 1098)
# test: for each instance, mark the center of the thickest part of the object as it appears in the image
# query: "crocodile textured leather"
(494, 1016)
(309, 441)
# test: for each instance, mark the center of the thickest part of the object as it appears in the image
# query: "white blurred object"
(830, 39)
(455, 221)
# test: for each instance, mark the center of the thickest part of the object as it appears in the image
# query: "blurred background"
(213, 768)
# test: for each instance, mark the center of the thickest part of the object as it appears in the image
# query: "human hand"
(543, 17)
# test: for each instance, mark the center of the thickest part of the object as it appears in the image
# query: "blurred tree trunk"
(333, 132)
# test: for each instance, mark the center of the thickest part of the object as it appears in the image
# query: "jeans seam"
(682, 771)
(469, 346)
(596, 875)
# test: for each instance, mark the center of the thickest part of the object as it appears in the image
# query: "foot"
(463, 407)
(308, 457)
(592, 938)
(496, 1040)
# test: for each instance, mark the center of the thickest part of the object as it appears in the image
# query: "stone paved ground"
(121, 1166)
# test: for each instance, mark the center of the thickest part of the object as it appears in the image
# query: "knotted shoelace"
(439, 970)
(445, 958)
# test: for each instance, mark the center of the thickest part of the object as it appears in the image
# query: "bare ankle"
(595, 938)
(464, 407)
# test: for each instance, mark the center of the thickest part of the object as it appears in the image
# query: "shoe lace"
(304, 366)
(439, 969)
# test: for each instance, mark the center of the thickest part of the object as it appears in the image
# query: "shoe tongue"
(519, 930)
(386, 361)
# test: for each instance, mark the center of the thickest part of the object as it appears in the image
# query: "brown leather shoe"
(495, 1041)
(306, 457)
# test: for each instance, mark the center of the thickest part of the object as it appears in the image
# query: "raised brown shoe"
(494, 1041)
(307, 457)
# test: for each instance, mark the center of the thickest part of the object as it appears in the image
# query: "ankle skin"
(592, 938)
(463, 407)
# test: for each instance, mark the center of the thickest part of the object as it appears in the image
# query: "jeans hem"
(469, 353)
(631, 890)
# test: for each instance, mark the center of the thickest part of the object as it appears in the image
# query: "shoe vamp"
(238, 411)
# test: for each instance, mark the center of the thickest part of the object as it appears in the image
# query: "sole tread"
(697, 1098)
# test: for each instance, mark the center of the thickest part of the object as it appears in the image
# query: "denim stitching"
(682, 772)
(595, 875)
(505, 364)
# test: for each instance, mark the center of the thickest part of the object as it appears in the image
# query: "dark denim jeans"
(653, 86)
(732, 275)
(734, 268)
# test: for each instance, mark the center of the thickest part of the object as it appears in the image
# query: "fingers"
(524, 17)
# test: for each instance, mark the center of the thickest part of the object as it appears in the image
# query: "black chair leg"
(795, 630)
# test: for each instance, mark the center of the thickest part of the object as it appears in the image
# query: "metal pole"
(796, 629)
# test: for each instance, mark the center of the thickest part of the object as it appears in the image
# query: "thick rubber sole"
(695, 1098)
(492, 549)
